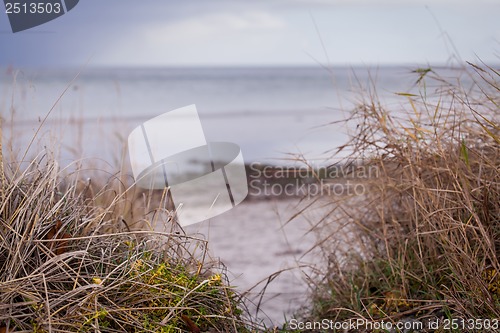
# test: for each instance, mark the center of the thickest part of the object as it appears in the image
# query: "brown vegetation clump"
(424, 237)
(73, 260)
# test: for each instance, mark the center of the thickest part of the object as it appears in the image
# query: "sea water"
(272, 113)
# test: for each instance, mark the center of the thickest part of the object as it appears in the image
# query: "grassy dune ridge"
(423, 242)
(76, 256)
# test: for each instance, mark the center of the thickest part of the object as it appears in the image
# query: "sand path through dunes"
(255, 241)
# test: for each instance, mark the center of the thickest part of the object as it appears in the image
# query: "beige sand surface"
(254, 241)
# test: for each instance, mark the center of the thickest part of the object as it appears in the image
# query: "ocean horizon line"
(319, 66)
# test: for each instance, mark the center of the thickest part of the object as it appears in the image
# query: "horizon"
(356, 66)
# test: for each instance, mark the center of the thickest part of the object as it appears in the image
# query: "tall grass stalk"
(423, 240)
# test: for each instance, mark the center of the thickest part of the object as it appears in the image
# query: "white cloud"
(215, 38)
(213, 25)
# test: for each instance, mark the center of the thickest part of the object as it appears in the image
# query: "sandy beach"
(257, 239)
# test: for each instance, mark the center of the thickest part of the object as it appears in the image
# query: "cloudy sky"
(258, 32)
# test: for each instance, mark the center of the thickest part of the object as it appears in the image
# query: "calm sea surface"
(269, 112)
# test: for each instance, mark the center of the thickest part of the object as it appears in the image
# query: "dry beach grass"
(67, 265)
(76, 256)
(424, 237)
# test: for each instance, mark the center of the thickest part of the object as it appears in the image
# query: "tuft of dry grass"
(71, 260)
(423, 240)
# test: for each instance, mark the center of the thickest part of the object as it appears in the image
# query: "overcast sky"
(259, 32)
